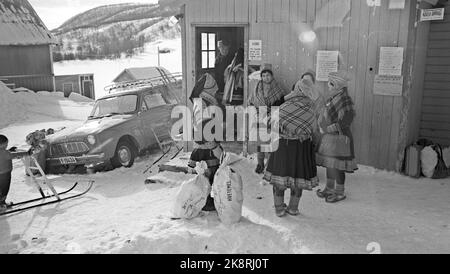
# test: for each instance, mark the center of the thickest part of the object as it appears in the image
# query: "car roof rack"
(164, 79)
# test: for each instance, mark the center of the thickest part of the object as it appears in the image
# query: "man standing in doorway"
(223, 60)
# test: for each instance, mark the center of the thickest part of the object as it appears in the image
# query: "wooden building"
(82, 84)
(357, 29)
(25, 47)
(142, 73)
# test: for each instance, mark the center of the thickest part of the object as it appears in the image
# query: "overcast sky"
(56, 12)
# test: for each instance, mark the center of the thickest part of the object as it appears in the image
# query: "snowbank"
(79, 98)
(11, 108)
(22, 106)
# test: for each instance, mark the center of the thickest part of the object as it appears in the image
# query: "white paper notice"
(432, 14)
(391, 61)
(327, 61)
(396, 4)
(388, 85)
(255, 50)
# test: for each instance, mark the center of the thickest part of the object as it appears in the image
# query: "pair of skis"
(28, 204)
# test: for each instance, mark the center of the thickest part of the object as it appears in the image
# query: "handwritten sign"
(327, 61)
(255, 50)
(388, 85)
(391, 61)
(432, 14)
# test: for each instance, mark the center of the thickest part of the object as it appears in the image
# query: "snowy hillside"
(112, 30)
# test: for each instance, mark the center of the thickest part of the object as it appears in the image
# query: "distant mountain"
(113, 30)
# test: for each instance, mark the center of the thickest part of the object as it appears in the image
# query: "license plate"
(68, 160)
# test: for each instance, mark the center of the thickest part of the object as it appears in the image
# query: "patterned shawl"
(338, 104)
(267, 94)
(297, 119)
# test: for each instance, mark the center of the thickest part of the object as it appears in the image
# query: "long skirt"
(293, 165)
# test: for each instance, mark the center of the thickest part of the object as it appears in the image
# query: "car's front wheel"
(124, 155)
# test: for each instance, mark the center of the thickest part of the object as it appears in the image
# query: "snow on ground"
(106, 70)
(122, 215)
(30, 111)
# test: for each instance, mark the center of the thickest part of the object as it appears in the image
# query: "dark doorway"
(206, 52)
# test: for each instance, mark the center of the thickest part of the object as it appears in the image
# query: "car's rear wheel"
(124, 155)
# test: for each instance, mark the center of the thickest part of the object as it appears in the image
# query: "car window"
(115, 105)
(154, 100)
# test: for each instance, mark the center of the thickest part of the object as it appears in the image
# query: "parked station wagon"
(128, 120)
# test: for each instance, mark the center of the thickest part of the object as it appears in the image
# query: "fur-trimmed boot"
(278, 198)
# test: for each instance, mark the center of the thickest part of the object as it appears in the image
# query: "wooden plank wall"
(25, 60)
(435, 120)
(278, 23)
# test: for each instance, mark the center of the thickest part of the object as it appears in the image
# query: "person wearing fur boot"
(293, 165)
(209, 151)
(336, 148)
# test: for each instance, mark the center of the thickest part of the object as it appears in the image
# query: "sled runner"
(42, 183)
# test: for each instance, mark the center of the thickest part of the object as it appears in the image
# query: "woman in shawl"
(267, 94)
(335, 119)
(209, 151)
(293, 165)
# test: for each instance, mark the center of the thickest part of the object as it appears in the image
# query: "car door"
(156, 119)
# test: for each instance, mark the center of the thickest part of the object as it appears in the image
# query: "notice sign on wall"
(255, 50)
(389, 85)
(432, 14)
(391, 61)
(327, 61)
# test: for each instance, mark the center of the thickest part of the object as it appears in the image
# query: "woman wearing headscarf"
(268, 93)
(336, 148)
(205, 150)
(293, 165)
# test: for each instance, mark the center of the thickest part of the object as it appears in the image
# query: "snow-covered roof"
(20, 25)
(142, 73)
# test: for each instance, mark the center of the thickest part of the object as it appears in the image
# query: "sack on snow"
(191, 197)
(429, 160)
(228, 192)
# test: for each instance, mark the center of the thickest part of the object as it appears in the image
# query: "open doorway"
(211, 58)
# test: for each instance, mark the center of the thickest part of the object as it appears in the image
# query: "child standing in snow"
(205, 150)
(334, 122)
(293, 164)
(6, 157)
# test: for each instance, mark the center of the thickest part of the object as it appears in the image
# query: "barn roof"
(20, 25)
(142, 73)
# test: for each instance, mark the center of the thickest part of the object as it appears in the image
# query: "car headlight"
(91, 139)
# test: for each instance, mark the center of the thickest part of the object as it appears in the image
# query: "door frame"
(193, 53)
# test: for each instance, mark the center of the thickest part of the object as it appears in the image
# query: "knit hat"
(266, 68)
(339, 79)
(305, 87)
(310, 73)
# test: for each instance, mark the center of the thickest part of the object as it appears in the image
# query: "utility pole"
(158, 58)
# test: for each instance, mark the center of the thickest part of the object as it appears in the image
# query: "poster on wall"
(396, 4)
(255, 50)
(327, 61)
(389, 85)
(432, 14)
(391, 61)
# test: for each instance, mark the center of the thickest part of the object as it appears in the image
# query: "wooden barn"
(82, 84)
(25, 47)
(397, 53)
